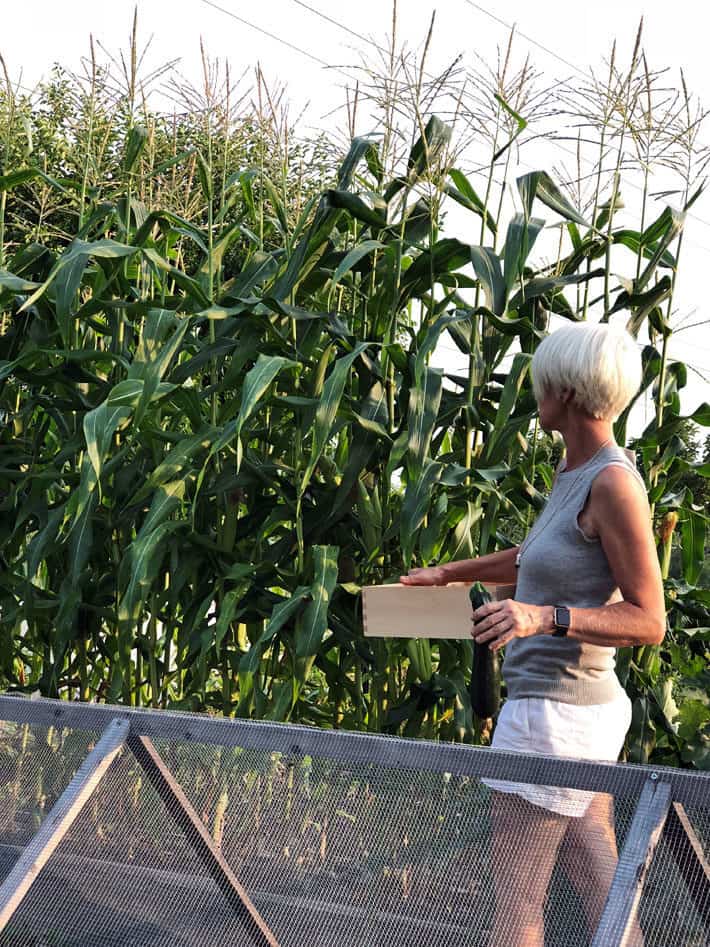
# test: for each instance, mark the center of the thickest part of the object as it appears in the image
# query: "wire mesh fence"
(204, 831)
(676, 897)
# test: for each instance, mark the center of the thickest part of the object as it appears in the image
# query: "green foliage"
(222, 418)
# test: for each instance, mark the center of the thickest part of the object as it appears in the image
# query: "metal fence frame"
(663, 793)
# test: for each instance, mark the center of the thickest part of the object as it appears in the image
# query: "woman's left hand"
(497, 623)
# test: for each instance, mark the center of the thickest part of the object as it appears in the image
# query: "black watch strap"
(561, 620)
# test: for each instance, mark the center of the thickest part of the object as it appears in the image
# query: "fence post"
(627, 886)
(183, 814)
(60, 818)
(687, 851)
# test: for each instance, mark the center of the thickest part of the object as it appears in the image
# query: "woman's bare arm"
(495, 567)
(620, 515)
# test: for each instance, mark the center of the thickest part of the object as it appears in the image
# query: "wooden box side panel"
(411, 611)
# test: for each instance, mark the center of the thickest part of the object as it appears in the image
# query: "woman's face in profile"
(549, 409)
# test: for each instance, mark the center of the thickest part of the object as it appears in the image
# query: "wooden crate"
(422, 611)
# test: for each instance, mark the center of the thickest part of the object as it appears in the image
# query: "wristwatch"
(561, 621)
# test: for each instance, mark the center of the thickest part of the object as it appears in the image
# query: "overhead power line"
(530, 39)
(276, 38)
(482, 168)
(341, 26)
(581, 72)
(24, 88)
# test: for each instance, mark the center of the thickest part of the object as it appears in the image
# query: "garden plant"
(223, 405)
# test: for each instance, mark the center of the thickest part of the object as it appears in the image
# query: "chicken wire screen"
(378, 848)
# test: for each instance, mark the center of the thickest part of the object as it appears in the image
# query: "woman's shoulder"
(616, 493)
(624, 454)
(615, 459)
(608, 458)
(616, 478)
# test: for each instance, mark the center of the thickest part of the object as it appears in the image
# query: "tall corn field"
(224, 411)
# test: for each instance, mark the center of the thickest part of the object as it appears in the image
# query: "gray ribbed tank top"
(559, 565)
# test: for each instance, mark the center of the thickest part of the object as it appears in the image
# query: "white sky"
(36, 33)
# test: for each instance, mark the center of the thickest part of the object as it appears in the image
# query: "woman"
(587, 581)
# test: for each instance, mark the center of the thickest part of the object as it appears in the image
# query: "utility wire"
(371, 42)
(478, 171)
(275, 37)
(341, 26)
(305, 52)
(347, 29)
(581, 72)
(360, 36)
(483, 168)
(18, 85)
(530, 39)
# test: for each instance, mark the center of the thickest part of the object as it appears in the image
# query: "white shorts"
(538, 725)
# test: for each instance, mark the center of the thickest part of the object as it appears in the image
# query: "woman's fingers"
(422, 576)
(490, 608)
(489, 614)
(501, 621)
(494, 625)
(502, 641)
(490, 622)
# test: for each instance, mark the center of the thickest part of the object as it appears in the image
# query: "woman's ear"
(567, 395)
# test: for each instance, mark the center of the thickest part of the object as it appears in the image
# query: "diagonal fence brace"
(689, 856)
(60, 818)
(617, 921)
(186, 818)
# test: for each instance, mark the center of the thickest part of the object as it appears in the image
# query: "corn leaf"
(312, 622)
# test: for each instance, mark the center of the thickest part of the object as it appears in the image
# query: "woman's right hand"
(434, 575)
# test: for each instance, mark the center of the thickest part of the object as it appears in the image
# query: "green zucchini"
(485, 673)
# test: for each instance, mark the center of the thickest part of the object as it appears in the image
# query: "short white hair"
(601, 362)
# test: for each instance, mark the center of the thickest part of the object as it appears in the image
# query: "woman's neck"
(584, 439)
